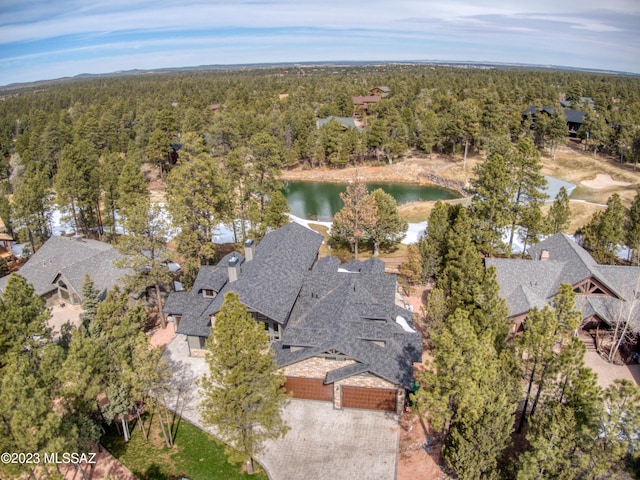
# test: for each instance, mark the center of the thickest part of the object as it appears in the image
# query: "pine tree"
(276, 213)
(31, 207)
(491, 202)
(23, 319)
(357, 216)
(132, 188)
(243, 393)
(433, 245)
(463, 269)
(411, 267)
(620, 422)
(77, 184)
(633, 230)
(528, 184)
(469, 393)
(90, 300)
(145, 248)
(605, 232)
(390, 228)
(158, 150)
(559, 213)
(198, 199)
(268, 157)
(110, 170)
(557, 130)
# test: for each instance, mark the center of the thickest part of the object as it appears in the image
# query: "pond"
(321, 200)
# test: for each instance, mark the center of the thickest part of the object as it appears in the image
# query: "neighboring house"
(582, 102)
(57, 270)
(335, 329)
(346, 122)
(6, 239)
(603, 291)
(575, 118)
(380, 91)
(361, 104)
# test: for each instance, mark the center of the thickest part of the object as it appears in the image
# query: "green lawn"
(195, 455)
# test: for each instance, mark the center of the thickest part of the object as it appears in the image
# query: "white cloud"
(163, 33)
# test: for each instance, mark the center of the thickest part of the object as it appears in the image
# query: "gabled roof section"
(622, 280)
(574, 116)
(361, 100)
(211, 277)
(344, 311)
(269, 284)
(346, 122)
(578, 264)
(526, 284)
(73, 258)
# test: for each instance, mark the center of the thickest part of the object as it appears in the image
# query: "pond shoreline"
(408, 172)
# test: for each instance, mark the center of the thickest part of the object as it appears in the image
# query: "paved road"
(323, 443)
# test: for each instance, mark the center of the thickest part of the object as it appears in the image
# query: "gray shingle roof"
(574, 116)
(346, 122)
(73, 258)
(526, 284)
(211, 277)
(371, 265)
(346, 312)
(322, 308)
(269, 284)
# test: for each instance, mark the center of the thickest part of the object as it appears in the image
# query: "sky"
(42, 40)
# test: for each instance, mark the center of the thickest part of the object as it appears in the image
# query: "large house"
(57, 270)
(361, 104)
(603, 291)
(575, 118)
(336, 330)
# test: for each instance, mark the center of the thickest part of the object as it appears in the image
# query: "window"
(208, 293)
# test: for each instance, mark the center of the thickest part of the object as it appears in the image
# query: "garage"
(309, 388)
(369, 398)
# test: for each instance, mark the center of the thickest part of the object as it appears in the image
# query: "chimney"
(544, 255)
(234, 268)
(249, 250)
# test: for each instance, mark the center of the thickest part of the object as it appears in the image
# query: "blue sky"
(51, 39)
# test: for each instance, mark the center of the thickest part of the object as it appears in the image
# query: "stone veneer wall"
(315, 367)
(366, 380)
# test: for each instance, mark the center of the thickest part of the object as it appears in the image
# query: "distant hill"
(346, 63)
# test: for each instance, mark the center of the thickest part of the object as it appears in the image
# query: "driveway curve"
(322, 443)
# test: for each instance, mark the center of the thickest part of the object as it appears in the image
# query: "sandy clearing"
(604, 181)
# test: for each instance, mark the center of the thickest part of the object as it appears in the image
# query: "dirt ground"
(161, 337)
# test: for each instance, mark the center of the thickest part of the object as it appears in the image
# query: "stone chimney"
(544, 255)
(234, 268)
(249, 250)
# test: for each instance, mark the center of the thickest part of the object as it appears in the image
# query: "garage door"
(309, 388)
(369, 398)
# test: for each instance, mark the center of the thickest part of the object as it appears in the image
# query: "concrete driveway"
(323, 443)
